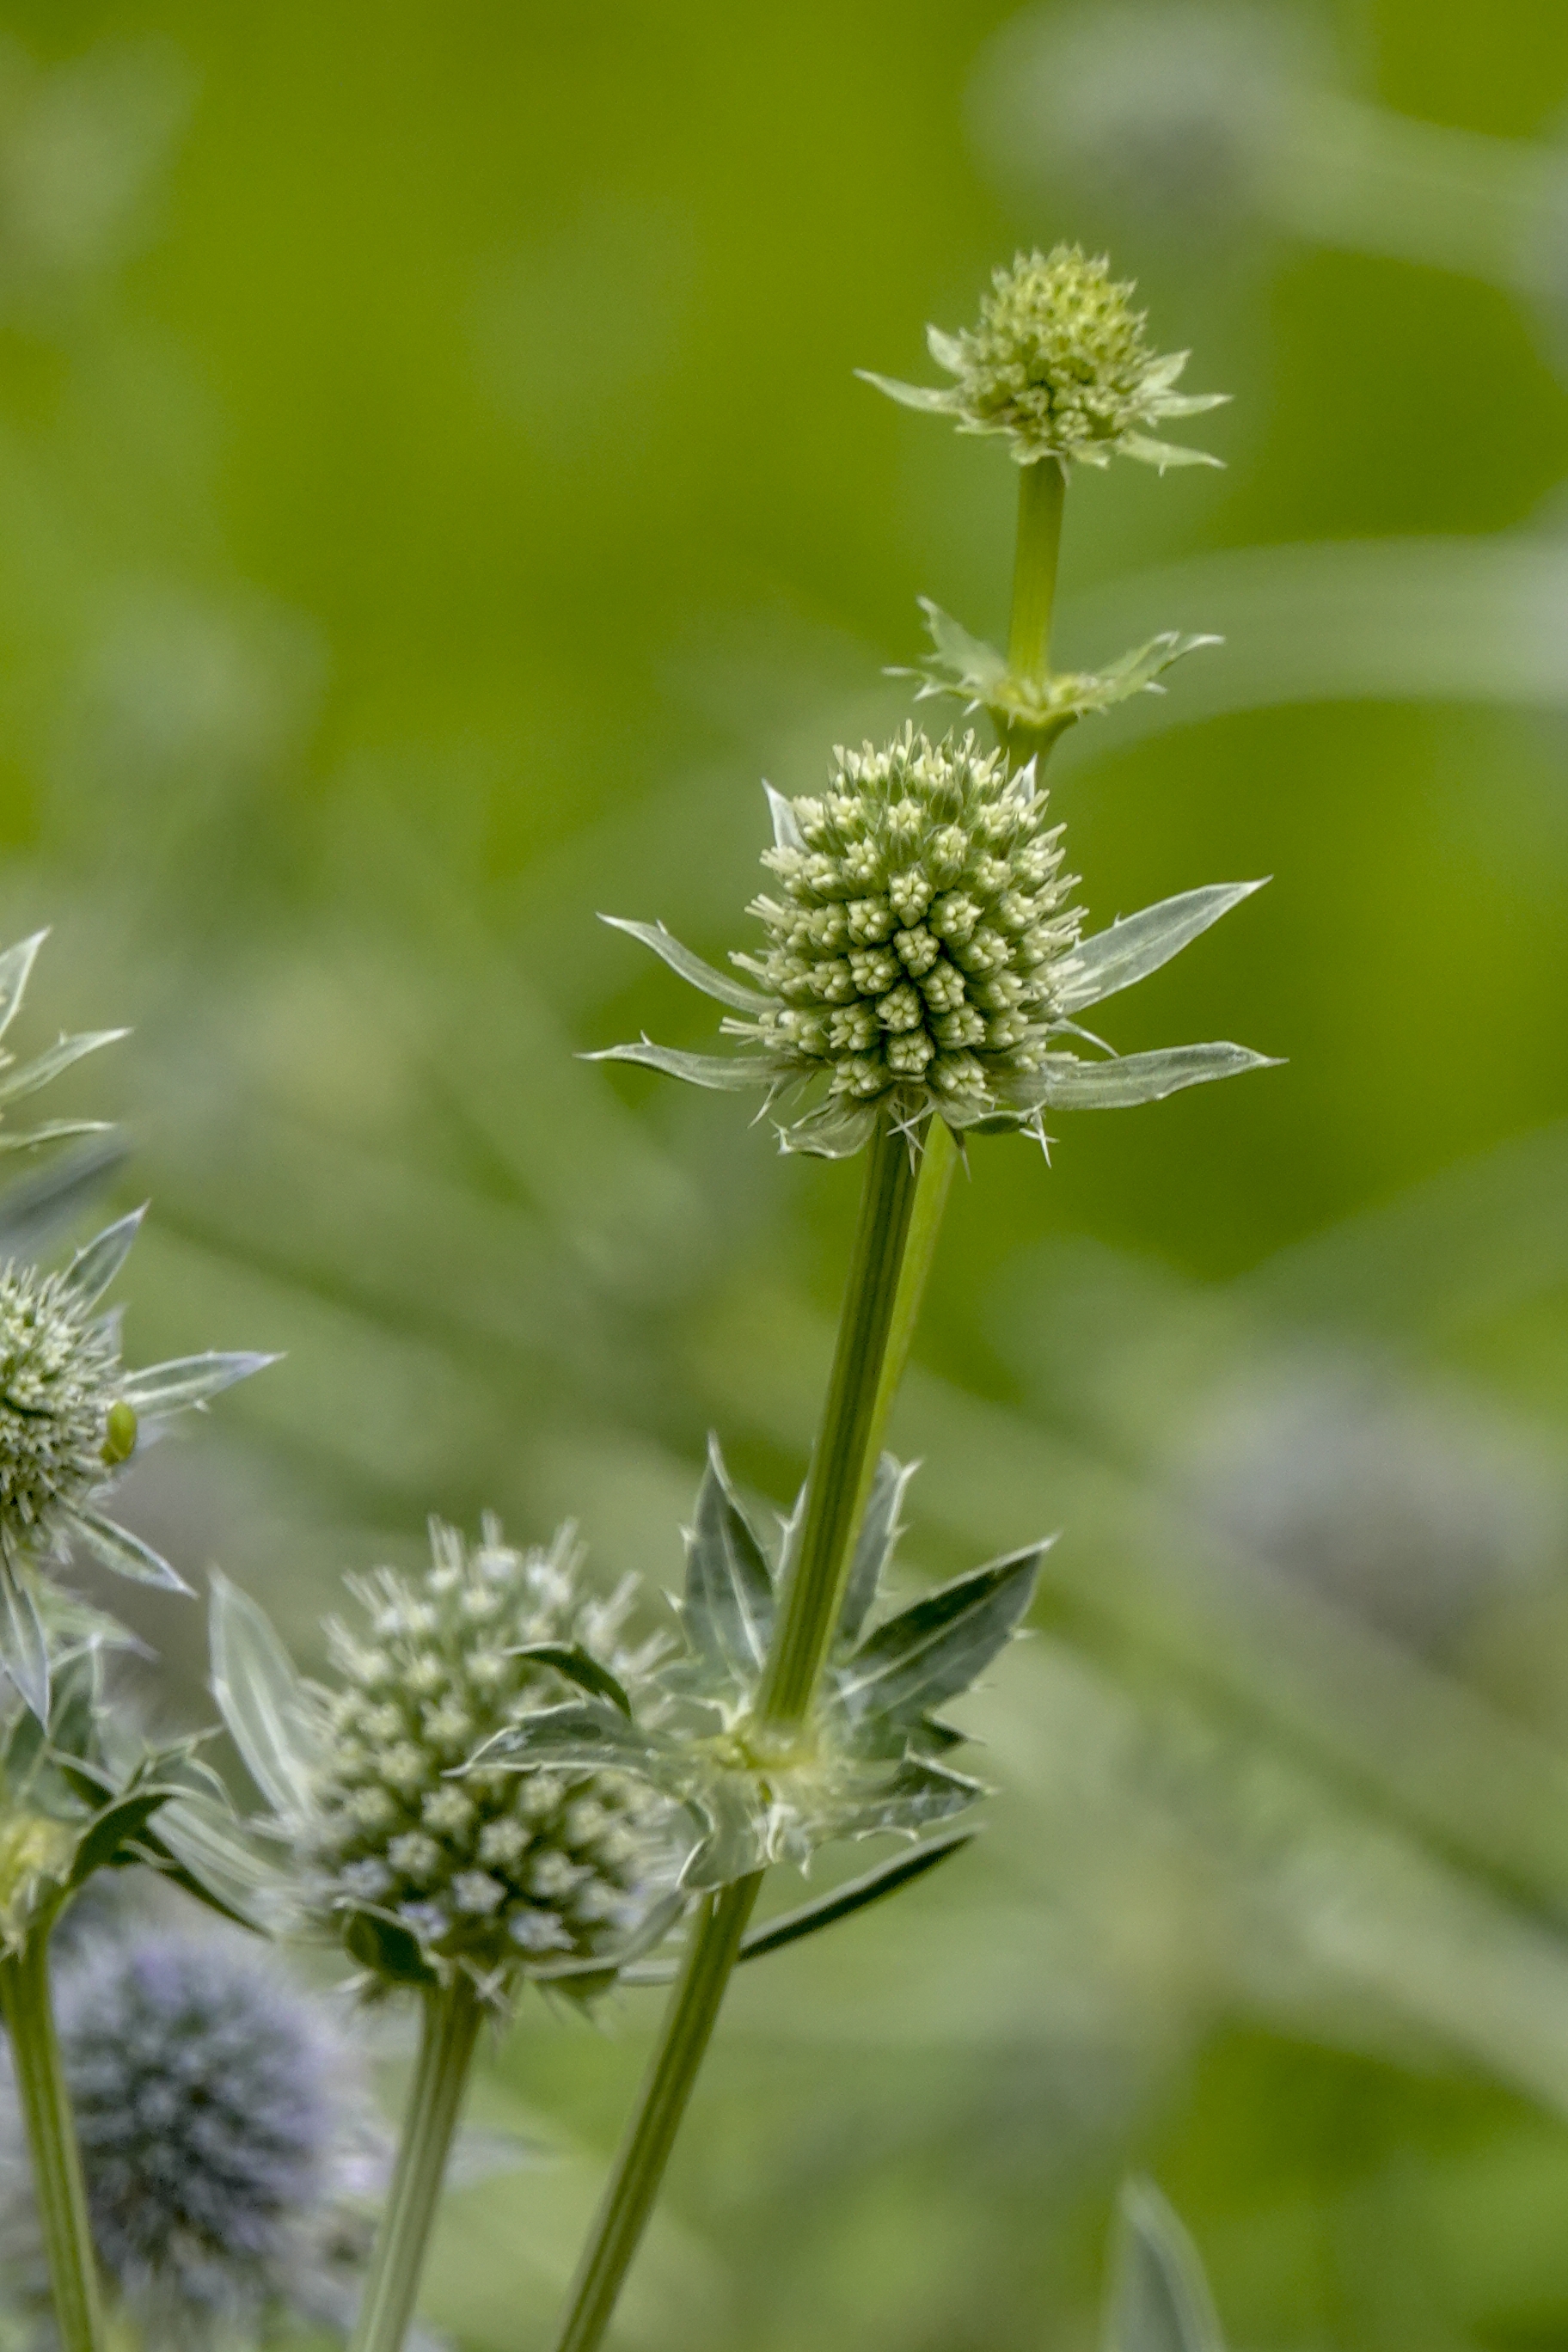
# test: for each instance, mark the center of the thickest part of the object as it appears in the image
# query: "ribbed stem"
(448, 2032)
(52, 2144)
(688, 2023)
(1042, 491)
(842, 1459)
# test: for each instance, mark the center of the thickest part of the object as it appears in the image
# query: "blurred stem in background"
(449, 2028)
(57, 2182)
(907, 1176)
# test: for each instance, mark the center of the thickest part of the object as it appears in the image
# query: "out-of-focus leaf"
(735, 1843)
(260, 1695)
(1159, 2300)
(729, 1604)
(94, 1267)
(33, 1210)
(934, 1649)
(53, 1130)
(734, 993)
(24, 1651)
(880, 1531)
(1140, 944)
(187, 1380)
(16, 965)
(28, 1077)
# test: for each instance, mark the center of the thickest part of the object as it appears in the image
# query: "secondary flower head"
(223, 2121)
(922, 958)
(1059, 362)
(551, 1874)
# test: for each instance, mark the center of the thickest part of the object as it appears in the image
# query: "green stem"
(51, 2140)
(938, 1159)
(1042, 490)
(842, 1458)
(449, 2030)
(688, 2023)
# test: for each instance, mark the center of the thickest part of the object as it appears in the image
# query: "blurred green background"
(433, 493)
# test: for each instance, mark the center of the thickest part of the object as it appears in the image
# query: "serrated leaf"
(94, 1267)
(1131, 950)
(917, 1795)
(126, 1554)
(976, 665)
(188, 1379)
(16, 965)
(23, 1651)
(1161, 2301)
(261, 1700)
(721, 1072)
(931, 1650)
(579, 1666)
(690, 967)
(729, 1600)
(1124, 1080)
(28, 1076)
(880, 1531)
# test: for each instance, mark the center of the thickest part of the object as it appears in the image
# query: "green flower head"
(1059, 364)
(922, 958)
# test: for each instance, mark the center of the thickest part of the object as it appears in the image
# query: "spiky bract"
(1059, 362)
(58, 1382)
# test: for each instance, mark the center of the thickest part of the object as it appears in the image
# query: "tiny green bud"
(118, 1433)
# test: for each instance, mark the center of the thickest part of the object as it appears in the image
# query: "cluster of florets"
(919, 929)
(58, 1370)
(496, 1870)
(222, 2117)
(1060, 363)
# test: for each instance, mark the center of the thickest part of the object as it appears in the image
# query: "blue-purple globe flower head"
(224, 2124)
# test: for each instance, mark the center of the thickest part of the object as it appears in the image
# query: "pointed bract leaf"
(1119, 1083)
(874, 1545)
(844, 1901)
(735, 1842)
(580, 1667)
(787, 833)
(576, 1736)
(918, 1795)
(933, 1650)
(723, 1073)
(168, 1388)
(24, 1651)
(728, 1606)
(126, 1554)
(16, 965)
(928, 397)
(1163, 454)
(53, 1130)
(690, 967)
(94, 1267)
(261, 1700)
(214, 1859)
(28, 1076)
(976, 664)
(1131, 949)
(1161, 2301)
(832, 1131)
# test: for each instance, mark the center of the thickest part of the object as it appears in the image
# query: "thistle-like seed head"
(915, 942)
(1059, 364)
(58, 1373)
(496, 1871)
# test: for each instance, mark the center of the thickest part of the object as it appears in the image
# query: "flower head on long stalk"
(922, 958)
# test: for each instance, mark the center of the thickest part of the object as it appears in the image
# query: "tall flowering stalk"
(920, 970)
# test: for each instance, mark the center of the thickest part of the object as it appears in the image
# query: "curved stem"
(842, 1459)
(688, 2023)
(52, 2144)
(448, 2032)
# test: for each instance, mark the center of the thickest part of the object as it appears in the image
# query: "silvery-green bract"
(1059, 364)
(921, 958)
(553, 1873)
(1042, 708)
(871, 1757)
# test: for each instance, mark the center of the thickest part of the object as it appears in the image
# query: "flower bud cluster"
(495, 1869)
(920, 928)
(58, 1370)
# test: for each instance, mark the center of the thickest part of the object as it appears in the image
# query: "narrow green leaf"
(728, 1601)
(1160, 2301)
(721, 1072)
(844, 1901)
(36, 1207)
(28, 1076)
(975, 664)
(112, 1830)
(880, 1531)
(53, 1130)
(1131, 949)
(94, 1267)
(23, 1651)
(933, 1650)
(212, 1858)
(261, 1700)
(126, 1554)
(579, 1666)
(1127, 1080)
(690, 967)
(16, 965)
(187, 1380)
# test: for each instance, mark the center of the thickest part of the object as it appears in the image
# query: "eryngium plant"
(871, 1755)
(422, 1874)
(226, 2133)
(922, 960)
